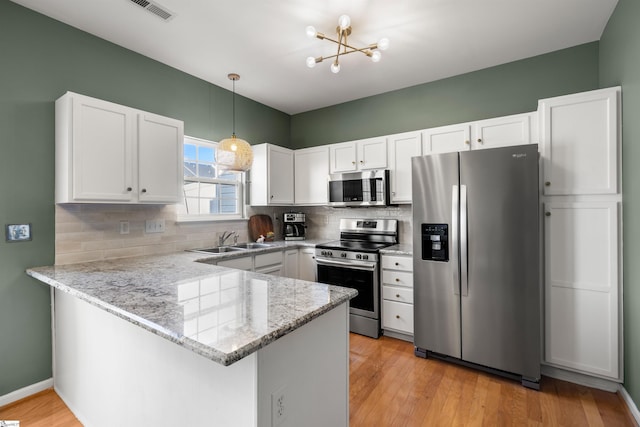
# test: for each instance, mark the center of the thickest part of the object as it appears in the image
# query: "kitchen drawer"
(397, 293)
(404, 263)
(243, 263)
(397, 316)
(269, 258)
(397, 278)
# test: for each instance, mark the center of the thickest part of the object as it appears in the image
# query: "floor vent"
(155, 8)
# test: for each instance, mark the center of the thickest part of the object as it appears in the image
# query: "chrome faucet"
(225, 235)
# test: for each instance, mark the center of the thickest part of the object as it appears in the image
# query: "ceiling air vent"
(155, 8)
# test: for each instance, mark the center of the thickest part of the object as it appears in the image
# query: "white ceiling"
(264, 40)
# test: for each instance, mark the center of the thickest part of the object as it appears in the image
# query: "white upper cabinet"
(109, 153)
(358, 155)
(160, 158)
(311, 170)
(579, 136)
(402, 147)
(504, 131)
(446, 139)
(271, 181)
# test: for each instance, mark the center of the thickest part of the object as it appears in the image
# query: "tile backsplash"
(91, 232)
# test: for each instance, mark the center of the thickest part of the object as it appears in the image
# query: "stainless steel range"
(353, 262)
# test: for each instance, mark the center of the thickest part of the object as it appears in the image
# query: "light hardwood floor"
(389, 386)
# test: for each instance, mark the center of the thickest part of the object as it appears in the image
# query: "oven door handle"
(352, 265)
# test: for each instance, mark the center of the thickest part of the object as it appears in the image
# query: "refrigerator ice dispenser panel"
(435, 242)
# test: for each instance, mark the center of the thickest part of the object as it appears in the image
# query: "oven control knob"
(330, 253)
(358, 256)
(323, 253)
(365, 256)
(343, 254)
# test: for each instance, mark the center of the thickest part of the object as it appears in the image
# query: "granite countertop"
(400, 249)
(220, 313)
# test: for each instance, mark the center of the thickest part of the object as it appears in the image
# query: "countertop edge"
(211, 353)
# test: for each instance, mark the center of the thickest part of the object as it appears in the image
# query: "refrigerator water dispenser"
(435, 242)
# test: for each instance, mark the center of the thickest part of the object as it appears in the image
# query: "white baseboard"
(27, 391)
(630, 403)
(578, 378)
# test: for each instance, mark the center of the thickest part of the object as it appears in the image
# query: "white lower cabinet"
(291, 263)
(307, 269)
(397, 295)
(581, 287)
(267, 263)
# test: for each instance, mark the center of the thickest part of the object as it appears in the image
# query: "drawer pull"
(397, 295)
(397, 263)
(397, 316)
(397, 280)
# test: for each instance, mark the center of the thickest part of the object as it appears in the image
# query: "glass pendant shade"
(234, 154)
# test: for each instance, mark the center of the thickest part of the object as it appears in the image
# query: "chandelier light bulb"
(311, 31)
(383, 44)
(311, 62)
(344, 22)
(335, 68)
(376, 55)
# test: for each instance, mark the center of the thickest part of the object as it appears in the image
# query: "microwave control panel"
(435, 242)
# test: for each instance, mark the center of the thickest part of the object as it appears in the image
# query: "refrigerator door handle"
(464, 244)
(455, 215)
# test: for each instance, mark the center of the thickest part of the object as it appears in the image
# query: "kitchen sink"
(252, 245)
(219, 250)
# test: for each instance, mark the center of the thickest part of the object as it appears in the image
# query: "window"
(209, 193)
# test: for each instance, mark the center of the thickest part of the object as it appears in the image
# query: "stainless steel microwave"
(368, 188)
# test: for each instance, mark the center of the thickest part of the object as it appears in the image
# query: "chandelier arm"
(339, 44)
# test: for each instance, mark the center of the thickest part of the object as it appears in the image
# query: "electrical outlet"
(279, 407)
(154, 226)
(124, 227)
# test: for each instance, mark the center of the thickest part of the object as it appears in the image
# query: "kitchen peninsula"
(167, 340)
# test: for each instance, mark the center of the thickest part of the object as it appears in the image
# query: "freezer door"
(436, 273)
(499, 267)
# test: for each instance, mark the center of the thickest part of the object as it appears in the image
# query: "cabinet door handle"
(480, 140)
(353, 163)
(397, 316)
(129, 188)
(362, 162)
(272, 196)
(397, 295)
(467, 142)
(144, 190)
(547, 184)
(397, 280)
(397, 263)
(547, 214)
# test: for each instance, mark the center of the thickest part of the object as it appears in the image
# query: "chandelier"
(234, 154)
(343, 30)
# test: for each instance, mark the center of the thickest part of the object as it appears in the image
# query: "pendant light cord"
(233, 103)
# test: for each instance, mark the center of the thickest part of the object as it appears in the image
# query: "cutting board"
(260, 225)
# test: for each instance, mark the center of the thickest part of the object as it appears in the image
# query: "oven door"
(362, 276)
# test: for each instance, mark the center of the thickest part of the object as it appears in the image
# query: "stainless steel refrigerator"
(476, 259)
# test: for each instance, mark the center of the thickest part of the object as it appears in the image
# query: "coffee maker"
(293, 226)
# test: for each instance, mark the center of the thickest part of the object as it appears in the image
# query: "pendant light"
(234, 154)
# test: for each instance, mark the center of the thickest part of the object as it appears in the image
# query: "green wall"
(40, 59)
(620, 65)
(493, 92)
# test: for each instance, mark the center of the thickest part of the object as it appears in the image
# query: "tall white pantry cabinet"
(581, 152)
